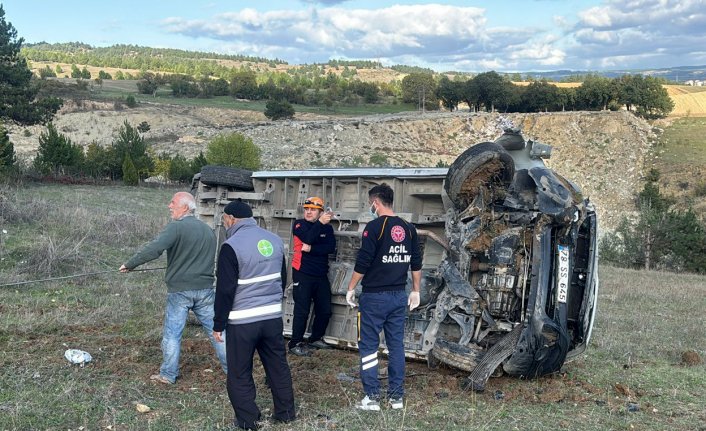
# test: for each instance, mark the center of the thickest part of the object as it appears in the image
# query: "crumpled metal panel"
(554, 197)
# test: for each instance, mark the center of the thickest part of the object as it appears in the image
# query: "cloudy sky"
(472, 36)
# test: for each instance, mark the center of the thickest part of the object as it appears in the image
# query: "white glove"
(413, 300)
(350, 298)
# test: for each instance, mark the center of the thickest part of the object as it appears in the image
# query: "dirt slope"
(603, 152)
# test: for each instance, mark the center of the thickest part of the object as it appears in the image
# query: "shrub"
(57, 154)
(180, 170)
(130, 142)
(278, 110)
(47, 73)
(660, 237)
(130, 101)
(198, 162)
(130, 177)
(7, 151)
(143, 127)
(378, 159)
(233, 150)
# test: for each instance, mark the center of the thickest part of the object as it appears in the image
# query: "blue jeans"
(382, 311)
(178, 306)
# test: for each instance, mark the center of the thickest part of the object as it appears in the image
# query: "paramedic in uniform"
(313, 242)
(251, 273)
(389, 248)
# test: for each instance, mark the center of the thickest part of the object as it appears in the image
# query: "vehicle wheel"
(452, 354)
(225, 176)
(483, 167)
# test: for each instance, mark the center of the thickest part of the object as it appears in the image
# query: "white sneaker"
(369, 404)
(396, 403)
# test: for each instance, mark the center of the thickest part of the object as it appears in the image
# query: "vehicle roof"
(354, 172)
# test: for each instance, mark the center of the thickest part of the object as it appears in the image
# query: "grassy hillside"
(633, 377)
(688, 100)
(680, 156)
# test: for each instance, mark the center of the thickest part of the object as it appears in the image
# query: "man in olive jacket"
(191, 247)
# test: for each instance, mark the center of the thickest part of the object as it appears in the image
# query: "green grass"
(684, 142)
(646, 320)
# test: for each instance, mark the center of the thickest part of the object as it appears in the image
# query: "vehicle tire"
(226, 176)
(457, 356)
(484, 166)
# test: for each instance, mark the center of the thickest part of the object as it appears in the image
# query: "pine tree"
(7, 151)
(57, 154)
(18, 94)
(130, 177)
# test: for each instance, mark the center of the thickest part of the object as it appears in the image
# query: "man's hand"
(350, 298)
(325, 217)
(306, 247)
(124, 268)
(413, 300)
(218, 337)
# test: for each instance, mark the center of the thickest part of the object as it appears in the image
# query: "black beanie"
(238, 209)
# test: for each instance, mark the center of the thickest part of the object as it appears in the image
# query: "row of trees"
(486, 91)
(490, 91)
(140, 58)
(129, 157)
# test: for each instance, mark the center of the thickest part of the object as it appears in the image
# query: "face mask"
(373, 211)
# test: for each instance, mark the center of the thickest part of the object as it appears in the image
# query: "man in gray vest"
(190, 246)
(251, 274)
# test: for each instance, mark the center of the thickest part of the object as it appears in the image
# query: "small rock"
(499, 395)
(343, 377)
(142, 408)
(633, 407)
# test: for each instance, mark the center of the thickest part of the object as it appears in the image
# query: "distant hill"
(674, 74)
(189, 62)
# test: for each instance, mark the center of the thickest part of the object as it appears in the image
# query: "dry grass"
(688, 101)
(646, 320)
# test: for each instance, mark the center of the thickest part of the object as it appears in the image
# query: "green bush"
(661, 237)
(7, 151)
(130, 101)
(57, 154)
(130, 142)
(130, 177)
(378, 159)
(278, 110)
(233, 150)
(180, 169)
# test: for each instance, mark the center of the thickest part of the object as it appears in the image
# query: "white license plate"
(563, 276)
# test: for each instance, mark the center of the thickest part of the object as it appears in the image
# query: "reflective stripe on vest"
(272, 276)
(257, 311)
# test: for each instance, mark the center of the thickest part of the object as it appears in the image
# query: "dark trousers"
(241, 342)
(382, 311)
(307, 288)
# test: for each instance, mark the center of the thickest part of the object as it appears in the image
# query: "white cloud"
(638, 34)
(615, 33)
(422, 30)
